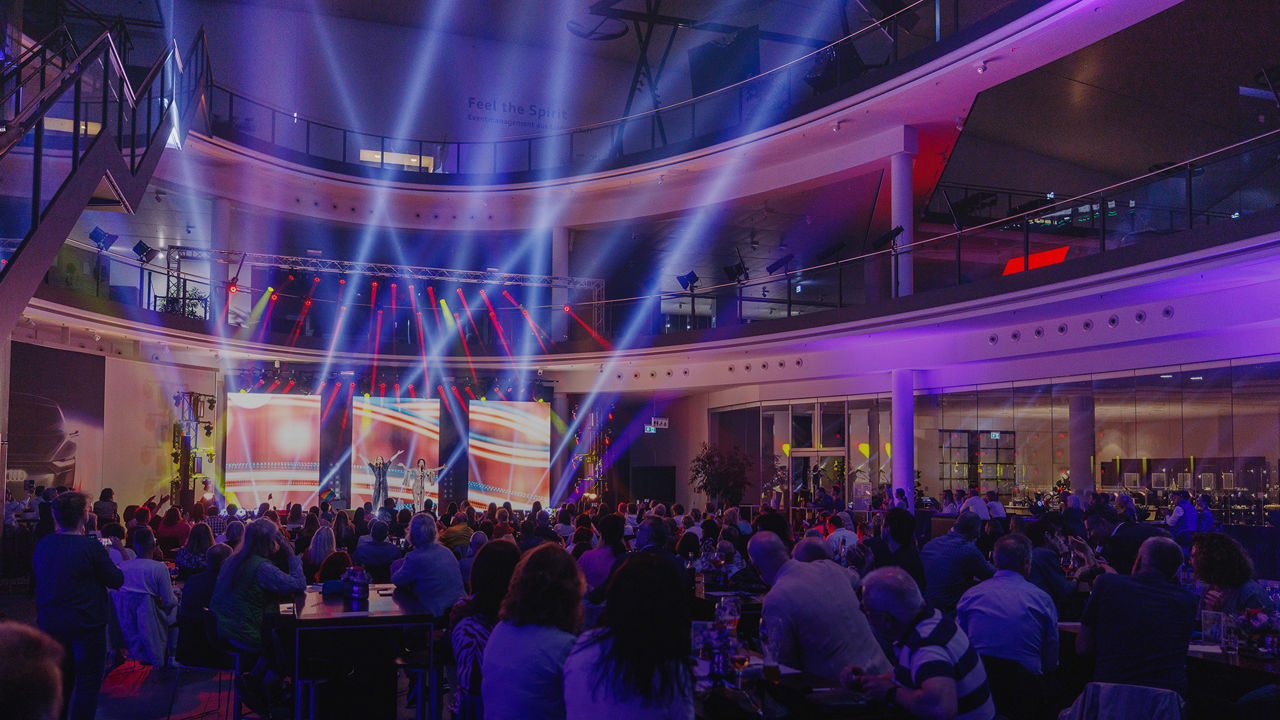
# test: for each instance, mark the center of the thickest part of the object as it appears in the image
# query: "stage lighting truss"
(589, 291)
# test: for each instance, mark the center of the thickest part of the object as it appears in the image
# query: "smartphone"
(106, 542)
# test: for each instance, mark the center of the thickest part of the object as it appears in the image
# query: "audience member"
(465, 563)
(1182, 519)
(113, 533)
(30, 673)
(72, 574)
(1118, 541)
(322, 545)
(105, 508)
(376, 555)
(976, 505)
(333, 566)
(473, 621)
(1205, 521)
(1140, 625)
(310, 525)
(635, 663)
(173, 531)
(896, 545)
(524, 658)
(840, 538)
(430, 570)
(191, 556)
(197, 591)
(937, 674)
(242, 594)
(949, 504)
(815, 609)
(1226, 571)
(146, 606)
(952, 562)
(1006, 616)
(598, 563)
(235, 531)
(994, 506)
(502, 525)
(458, 534)
(1126, 508)
(1047, 549)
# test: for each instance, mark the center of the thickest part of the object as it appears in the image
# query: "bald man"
(814, 606)
(1140, 625)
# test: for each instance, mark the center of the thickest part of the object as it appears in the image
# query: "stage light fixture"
(233, 285)
(780, 263)
(274, 297)
(103, 239)
(688, 280)
(145, 252)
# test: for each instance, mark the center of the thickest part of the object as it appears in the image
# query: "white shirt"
(977, 506)
(1008, 617)
(996, 509)
(150, 577)
(849, 537)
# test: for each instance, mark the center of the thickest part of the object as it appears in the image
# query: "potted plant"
(720, 474)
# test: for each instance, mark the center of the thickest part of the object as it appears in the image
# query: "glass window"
(802, 426)
(832, 418)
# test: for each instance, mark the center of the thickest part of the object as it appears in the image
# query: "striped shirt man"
(936, 647)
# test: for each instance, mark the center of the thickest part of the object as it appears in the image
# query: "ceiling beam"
(605, 8)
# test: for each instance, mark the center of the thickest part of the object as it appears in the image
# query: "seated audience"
(1205, 521)
(310, 526)
(1226, 570)
(502, 525)
(173, 531)
(235, 531)
(114, 534)
(146, 606)
(458, 534)
(1140, 625)
(1048, 546)
(322, 545)
(524, 659)
(105, 508)
(896, 545)
(430, 570)
(465, 563)
(1008, 617)
(30, 673)
(635, 664)
(936, 673)
(333, 566)
(473, 620)
(977, 505)
(840, 538)
(197, 591)
(246, 585)
(191, 556)
(377, 554)
(994, 506)
(596, 564)
(816, 611)
(952, 563)
(216, 521)
(1118, 540)
(949, 504)
(72, 573)
(1126, 508)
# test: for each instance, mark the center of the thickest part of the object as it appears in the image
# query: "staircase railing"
(69, 132)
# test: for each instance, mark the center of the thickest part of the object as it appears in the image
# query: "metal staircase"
(76, 132)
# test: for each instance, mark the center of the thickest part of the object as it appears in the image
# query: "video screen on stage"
(383, 427)
(273, 449)
(510, 449)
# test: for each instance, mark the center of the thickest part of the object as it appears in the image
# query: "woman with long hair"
(333, 566)
(310, 526)
(1226, 570)
(344, 533)
(191, 556)
(295, 517)
(636, 663)
(173, 530)
(322, 545)
(473, 620)
(597, 564)
(524, 659)
(234, 533)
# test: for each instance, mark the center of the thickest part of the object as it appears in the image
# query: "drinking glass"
(770, 640)
(739, 657)
(1230, 636)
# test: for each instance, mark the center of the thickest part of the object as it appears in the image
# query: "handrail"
(523, 154)
(1055, 207)
(30, 50)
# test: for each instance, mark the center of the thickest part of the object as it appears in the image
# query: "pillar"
(902, 214)
(559, 295)
(904, 434)
(1080, 439)
(559, 460)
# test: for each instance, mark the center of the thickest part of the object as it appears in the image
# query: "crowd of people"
(586, 611)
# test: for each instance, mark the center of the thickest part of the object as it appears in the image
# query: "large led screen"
(273, 449)
(510, 449)
(383, 427)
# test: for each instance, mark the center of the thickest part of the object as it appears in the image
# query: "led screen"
(381, 427)
(273, 449)
(510, 451)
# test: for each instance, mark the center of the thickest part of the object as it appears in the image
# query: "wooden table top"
(1211, 654)
(386, 606)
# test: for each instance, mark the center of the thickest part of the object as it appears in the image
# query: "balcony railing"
(875, 53)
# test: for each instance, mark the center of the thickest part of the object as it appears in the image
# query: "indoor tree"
(720, 474)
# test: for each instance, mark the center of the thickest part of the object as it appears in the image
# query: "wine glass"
(740, 658)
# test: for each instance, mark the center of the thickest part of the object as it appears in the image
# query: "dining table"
(367, 633)
(797, 694)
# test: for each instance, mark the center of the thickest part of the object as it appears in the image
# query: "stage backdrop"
(510, 453)
(384, 426)
(55, 419)
(273, 449)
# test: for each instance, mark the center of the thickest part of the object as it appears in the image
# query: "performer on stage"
(379, 469)
(420, 477)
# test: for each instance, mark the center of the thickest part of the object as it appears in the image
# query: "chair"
(217, 643)
(195, 651)
(1108, 701)
(425, 667)
(144, 628)
(1018, 693)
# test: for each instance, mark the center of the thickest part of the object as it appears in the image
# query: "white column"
(1080, 442)
(559, 296)
(902, 214)
(903, 415)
